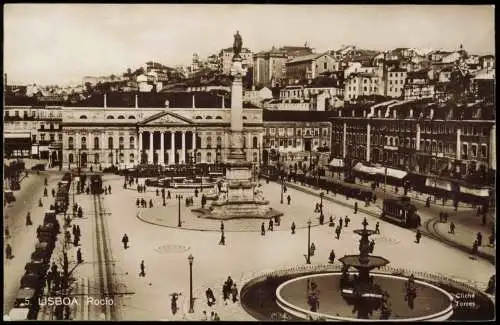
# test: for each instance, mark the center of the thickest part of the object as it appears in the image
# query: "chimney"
(193, 102)
(136, 101)
(105, 102)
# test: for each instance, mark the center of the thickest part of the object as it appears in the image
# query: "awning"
(438, 183)
(391, 172)
(359, 167)
(482, 192)
(19, 135)
(336, 162)
(396, 173)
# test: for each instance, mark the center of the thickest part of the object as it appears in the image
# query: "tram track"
(105, 272)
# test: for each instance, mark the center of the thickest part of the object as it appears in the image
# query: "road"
(23, 238)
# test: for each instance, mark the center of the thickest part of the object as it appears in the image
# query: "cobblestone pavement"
(165, 251)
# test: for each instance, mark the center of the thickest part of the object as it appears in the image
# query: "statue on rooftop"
(237, 45)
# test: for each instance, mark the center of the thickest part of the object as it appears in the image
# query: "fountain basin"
(431, 302)
(239, 209)
(373, 261)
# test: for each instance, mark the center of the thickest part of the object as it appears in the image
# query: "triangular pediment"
(166, 118)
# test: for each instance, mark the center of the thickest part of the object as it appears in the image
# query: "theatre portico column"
(171, 157)
(140, 149)
(150, 152)
(161, 157)
(194, 141)
(182, 158)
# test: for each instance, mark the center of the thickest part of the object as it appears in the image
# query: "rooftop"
(304, 58)
(296, 116)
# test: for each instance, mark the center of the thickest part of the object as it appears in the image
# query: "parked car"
(38, 167)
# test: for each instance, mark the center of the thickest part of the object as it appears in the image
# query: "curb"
(138, 216)
(433, 230)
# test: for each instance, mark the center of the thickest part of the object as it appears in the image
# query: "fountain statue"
(361, 291)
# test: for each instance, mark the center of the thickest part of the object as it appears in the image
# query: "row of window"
(298, 131)
(83, 141)
(131, 117)
(424, 129)
(41, 113)
(293, 143)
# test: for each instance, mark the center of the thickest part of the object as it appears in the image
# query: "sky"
(62, 43)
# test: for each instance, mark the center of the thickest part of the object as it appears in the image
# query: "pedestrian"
(74, 230)
(347, 220)
(312, 249)
(377, 228)
(137, 202)
(195, 192)
(150, 203)
(338, 230)
(67, 237)
(78, 232)
(374, 198)
(40, 204)
(109, 189)
(225, 292)
(216, 317)
(53, 192)
(222, 239)
(234, 292)
(331, 258)
(8, 251)
(49, 280)
(28, 219)
(330, 222)
(45, 192)
(372, 246)
(288, 198)
(340, 222)
(293, 228)
(262, 229)
(105, 190)
(479, 239)
(204, 316)
(452, 228)
(230, 282)
(475, 248)
(222, 225)
(418, 236)
(157, 192)
(79, 258)
(143, 273)
(168, 194)
(212, 315)
(270, 227)
(355, 207)
(210, 297)
(125, 241)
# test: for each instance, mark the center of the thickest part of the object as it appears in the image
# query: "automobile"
(9, 197)
(151, 182)
(31, 280)
(111, 169)
(35, 266)
(38, 167)
(25, 297)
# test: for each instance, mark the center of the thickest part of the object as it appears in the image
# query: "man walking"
(79, 259)
(293, 228)
(222, 226)
(262, 229)
(377, 228)
(125, 241)
(418, 236)
(452, 228)
(337, 231)
(222, 239)
(331, 259)
(347, 221)
(143, 273)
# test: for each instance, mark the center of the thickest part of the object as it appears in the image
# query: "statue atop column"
(237, 45)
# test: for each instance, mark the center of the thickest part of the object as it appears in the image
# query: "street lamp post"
(191, 258)
(282, 188)
(308, 261)
(321, 203)
(179, 198)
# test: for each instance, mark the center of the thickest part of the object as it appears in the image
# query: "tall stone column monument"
(240, 200)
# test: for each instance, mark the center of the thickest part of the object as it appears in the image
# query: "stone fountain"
(240, 201)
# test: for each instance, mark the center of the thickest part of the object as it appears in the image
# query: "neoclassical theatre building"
(128, 129)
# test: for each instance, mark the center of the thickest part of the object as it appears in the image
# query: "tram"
(401, 211)
(96, 184)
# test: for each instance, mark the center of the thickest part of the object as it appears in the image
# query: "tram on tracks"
(96, 184)
(401, 211)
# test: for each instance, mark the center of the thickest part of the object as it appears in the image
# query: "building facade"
(420, 136)
(293, 137)
(33, 131)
